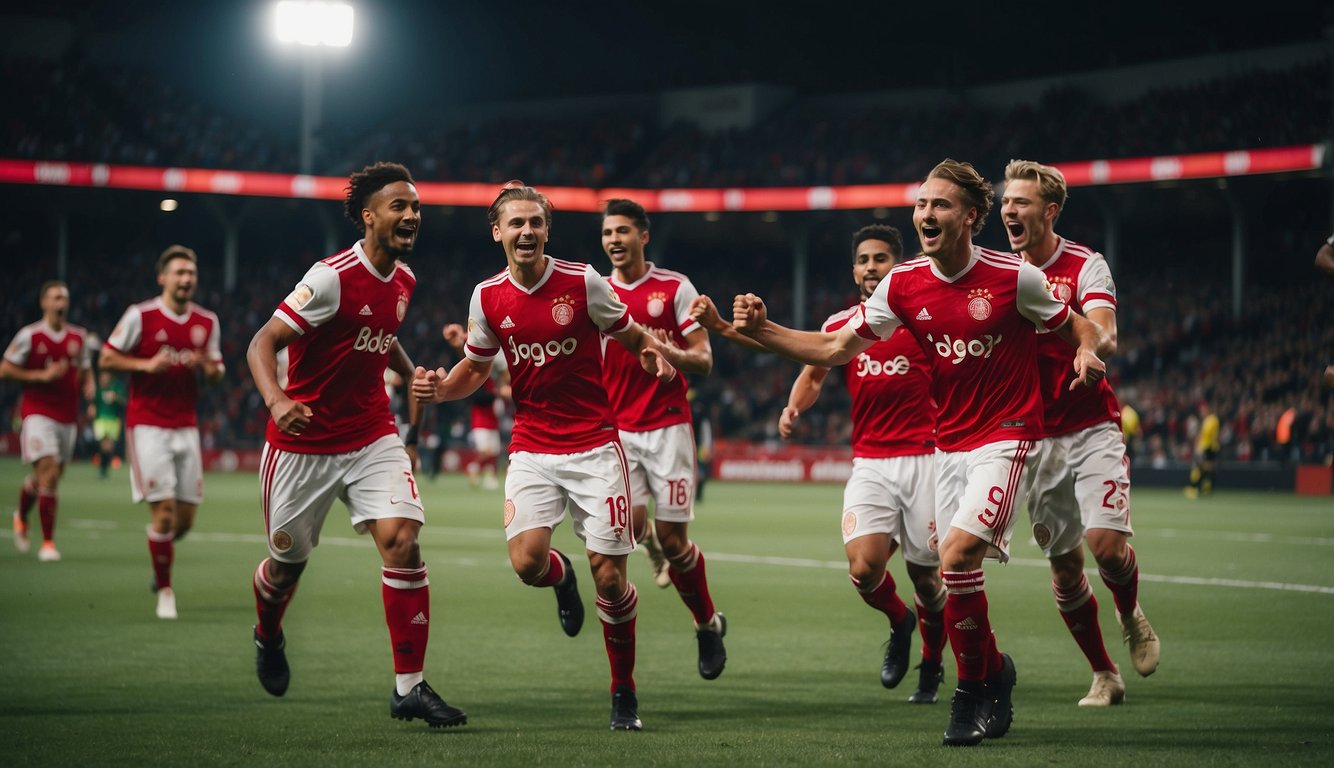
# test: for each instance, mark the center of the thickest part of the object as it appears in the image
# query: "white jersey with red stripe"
(551, 337)
(659, 299)
(890, 387)
(33, 348)
(1079, 276)
(979, 328)
(347, 315)
(167, 399)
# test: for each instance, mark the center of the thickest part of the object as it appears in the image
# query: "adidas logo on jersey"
(420, 618)
(507, 322)
(161, 336)
(365, 310)
(923, 315)
(966, 624)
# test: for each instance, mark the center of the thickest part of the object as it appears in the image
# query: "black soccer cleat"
(422, 701)
(930, 673)
(1000, 689)
(271, 663)
(568, 605)
(625, 710)
(712, 653)
(968, 719)
(897, 651)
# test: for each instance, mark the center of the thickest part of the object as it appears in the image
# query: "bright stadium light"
(313, 23)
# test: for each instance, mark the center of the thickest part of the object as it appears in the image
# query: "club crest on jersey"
(657, 302)
(562, 309)
(1042, 535)
(198, 335)
(849, 523)
(402, 306)
(281, 540)
(509, 512)
(1061, 288)
(979, 303)
(72, 347)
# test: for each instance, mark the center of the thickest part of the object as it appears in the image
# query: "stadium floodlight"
(313, 23)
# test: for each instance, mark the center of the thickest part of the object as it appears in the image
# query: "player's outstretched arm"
(751, 317)
(652, 353)
(805, 391)
(455, 384)
(1085, 336)
(289, 416)
(706, 314)
(1105, 319)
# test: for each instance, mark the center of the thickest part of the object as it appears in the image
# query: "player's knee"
(1108, 548)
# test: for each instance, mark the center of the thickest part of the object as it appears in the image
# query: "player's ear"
(495, 233)
(367, 218)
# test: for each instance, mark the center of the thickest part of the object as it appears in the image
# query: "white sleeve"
(607, 311)
(85, 354)
(214, 344)
(876, 318)
(482, 344)
(1096, 287)
(17, 351)
(314, 300)
(685, 294)
(125, 337)
(1034, 299)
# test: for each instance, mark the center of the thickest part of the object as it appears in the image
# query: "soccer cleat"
(930, 673)
(166, 603)
(968, 719)
(712, 654)
(1144, 646)
(625, 710)
(422, 701)
(48, 553)
(661, 568)
(568, 605)
(1000, 689)
(897, 651)
(1108, 689)
(271, 663)
(21, 541)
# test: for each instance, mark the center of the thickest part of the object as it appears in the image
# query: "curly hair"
(883, 232)
(366, 182)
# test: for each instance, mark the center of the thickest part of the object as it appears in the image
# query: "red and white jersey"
(1078, 276)
(33, 348)
(551, 338)
(979, 329)
(890, 387)
(167, 399)
(640, 402)
(482, 408)
(348, 316)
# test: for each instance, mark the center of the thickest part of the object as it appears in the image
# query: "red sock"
(407, 611)
(555, 571)
(618, 633)
(692, 585)
(931, 623)
(46, 510)
(270, 602)
(27, 497)
(1079, 609)
(162, 550)
(883, 598)
(1124, 583)
(968, 625)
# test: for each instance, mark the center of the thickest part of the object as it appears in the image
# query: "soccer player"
(1206, 453)
(50, 359)
(1080, 488)
(107, 411)
(547, 316)
(976, 313)
(654, 417)
(333, 435)
(890, 497)
(163, 343)
(484, 422)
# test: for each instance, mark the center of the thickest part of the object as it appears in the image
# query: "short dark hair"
(366, 182)
(48, 285)
(517, 190)
(879, 232)
(175, 252)
(621, 206)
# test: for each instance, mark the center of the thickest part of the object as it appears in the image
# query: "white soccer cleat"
(661, 575)
(1143, 643)
(1108, 689)
(166, 603)
(21, 541)
(48, 553)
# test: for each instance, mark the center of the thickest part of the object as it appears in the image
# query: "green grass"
(1240, 587)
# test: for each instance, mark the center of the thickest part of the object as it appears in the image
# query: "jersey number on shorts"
(996, 496)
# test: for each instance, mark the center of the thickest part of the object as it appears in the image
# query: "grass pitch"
(1240, 587)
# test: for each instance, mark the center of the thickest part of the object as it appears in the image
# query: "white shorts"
(1080, 482)
(662, 467)
(42, 436)
(486, 441)
(979, 491)
(165, 464)
(895, 496)
(594, 484)
(297, 490)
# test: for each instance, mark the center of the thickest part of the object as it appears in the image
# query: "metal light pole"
(312, 25)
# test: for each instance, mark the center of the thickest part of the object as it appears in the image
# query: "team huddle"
(1008, 347)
